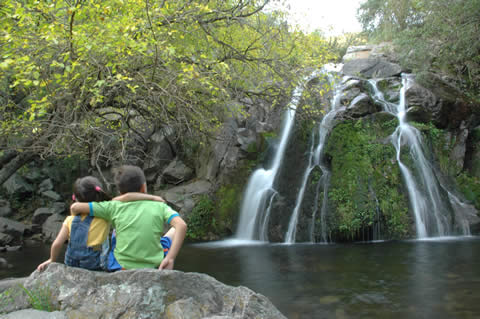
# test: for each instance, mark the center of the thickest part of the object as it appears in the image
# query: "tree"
(88, 76)
(431, 34)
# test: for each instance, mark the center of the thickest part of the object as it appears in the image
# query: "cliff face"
(366, 197)
(369, 195)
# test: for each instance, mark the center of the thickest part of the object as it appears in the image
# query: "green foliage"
(201, 220)
(470, 187)
(364, 184)
(77, 76)
(430, 34)
(228, 203)
(40, 298)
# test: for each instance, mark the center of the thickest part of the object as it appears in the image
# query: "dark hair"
(89, 189)
(129, 178)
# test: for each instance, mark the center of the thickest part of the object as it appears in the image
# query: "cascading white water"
(424, 189)
(254, 212)
(315, 160)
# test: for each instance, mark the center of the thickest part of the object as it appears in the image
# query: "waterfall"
(255, 208)
(437, 211)
(315, 160)
(430, 207)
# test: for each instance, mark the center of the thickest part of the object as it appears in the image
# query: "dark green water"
(409, 279)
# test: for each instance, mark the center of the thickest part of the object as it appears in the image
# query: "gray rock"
(361, 106)
(182, 197)
(13, 296)
(5, 239)
(390, 88)
(3, 263)
(357, 52)
(16, 184)
(222, 155)
(52, 226)
(147, 293)
(159, 155)
(422, 104)
(177, 172)
(11, 227)
(59, 207)
(459, 148)
(371, 68)
(35, 314)
(41, 214)
(246, 138)
(5, 209)
(448, 106)
(45, 185)
(52, 195)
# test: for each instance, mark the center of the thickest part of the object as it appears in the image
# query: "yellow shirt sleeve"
(98, 232)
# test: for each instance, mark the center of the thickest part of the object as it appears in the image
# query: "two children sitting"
(137, 217)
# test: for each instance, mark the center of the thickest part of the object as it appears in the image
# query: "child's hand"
(167, 263)
(44, 265)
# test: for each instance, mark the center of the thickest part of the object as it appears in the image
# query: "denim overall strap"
(78, 254)
(79, 231)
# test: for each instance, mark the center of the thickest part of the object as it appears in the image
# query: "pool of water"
(406, 279)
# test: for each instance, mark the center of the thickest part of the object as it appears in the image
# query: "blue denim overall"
(78, 254)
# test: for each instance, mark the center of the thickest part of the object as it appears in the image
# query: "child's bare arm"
(130, 197)
(56, 248)
(79, 208)
(180, 230)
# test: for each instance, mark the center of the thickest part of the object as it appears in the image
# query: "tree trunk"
(13, 165)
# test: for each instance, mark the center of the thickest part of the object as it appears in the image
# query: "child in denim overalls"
(88, 245)
(83, 230)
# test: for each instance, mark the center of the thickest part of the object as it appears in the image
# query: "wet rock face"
(146, 293)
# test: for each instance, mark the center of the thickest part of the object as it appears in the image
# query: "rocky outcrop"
(371, 68)
(182, 198)
(145, 293)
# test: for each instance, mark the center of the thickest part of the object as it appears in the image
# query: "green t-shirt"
(139, 227)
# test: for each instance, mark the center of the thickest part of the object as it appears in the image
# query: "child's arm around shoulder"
(130, 197)
(80, 208)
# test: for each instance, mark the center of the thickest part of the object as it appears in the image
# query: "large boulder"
(357, 52)
(160, 153)
(52, 226)
(182, 198)
(41, 214)
(361, 106)
(11, 227)
(371, 68)
(146, 293)
(176, 172)
(444, 103)
(17, 185)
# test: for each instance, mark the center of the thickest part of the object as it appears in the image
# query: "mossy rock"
(366, 191)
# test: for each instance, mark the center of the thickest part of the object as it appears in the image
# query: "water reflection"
(410, 279)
